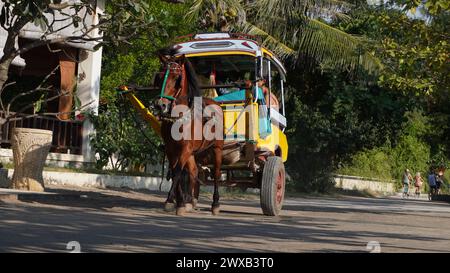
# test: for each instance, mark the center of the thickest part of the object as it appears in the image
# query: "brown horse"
(180, 89)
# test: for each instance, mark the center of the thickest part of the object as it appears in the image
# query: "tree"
(292, 29)
(120, 138)
(123, 19)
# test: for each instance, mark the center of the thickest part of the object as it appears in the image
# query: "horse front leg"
(179, 194)
(196, 194)
(169, 205)
(191, 167)
(215, 209)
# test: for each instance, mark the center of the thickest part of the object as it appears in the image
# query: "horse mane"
(193, 86)
(167, 51)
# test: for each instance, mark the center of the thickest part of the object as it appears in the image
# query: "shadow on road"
(98, 228)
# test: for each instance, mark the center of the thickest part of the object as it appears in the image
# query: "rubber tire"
(273, 166)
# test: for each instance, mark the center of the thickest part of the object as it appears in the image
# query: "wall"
(90, 180)
(53, 159)
(361, 183)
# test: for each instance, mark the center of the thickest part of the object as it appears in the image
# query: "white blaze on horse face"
(180, 129)
(213, 128)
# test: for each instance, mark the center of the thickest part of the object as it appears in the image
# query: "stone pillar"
(30, 149)
(88, 92)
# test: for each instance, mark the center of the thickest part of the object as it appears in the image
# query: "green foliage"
(414, 52)
(118, 142)
(389, 161)
(374, 163)
(291, 29)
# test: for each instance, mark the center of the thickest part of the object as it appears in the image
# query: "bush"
(373, 163)
(119, 142)
(389, 161)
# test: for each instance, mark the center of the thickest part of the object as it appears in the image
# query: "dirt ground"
(134, 221)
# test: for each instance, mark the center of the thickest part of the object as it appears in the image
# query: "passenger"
(205, 81)
(273, 99)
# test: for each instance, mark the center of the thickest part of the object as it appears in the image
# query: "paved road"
(127, 221)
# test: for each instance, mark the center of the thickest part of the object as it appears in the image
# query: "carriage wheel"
(272, 186)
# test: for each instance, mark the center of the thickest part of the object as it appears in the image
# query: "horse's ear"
(163, 58)
(165, 55)
(182, 59)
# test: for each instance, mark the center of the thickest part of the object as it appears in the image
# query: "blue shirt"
(405, 178)
(431, 180)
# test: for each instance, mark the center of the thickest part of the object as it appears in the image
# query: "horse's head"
(178, 79)
(171, 81)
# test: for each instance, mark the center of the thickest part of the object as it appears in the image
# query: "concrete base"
(89, 180)
(361, 183)
(53, 159)
(14, 195)
(442, 197)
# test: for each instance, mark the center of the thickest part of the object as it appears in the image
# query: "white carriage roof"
(222, 43)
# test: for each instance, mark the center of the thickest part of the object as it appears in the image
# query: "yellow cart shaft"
(145, 113)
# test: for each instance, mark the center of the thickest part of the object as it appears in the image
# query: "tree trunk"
(4, 70)
(9, 50)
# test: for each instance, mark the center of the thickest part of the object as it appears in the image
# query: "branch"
(37, 89)
(55, 114)
(1, 91)
(175, 1)
(60, 6)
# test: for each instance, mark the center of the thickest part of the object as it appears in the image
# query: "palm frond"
(334, 47)
(294, 28)
(214, 10)
(271, 42)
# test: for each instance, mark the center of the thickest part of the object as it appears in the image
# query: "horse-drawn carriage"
(246, 81)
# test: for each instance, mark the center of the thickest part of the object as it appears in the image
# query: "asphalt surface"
(129, 221)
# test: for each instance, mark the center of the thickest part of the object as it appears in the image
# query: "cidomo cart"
(255, 144)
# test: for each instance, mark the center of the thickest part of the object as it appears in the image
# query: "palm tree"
(291, 28)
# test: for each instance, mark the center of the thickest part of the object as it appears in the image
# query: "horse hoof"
(194, 203)
(189, 207)
(169, 207)
(181, 211)
(215, 210)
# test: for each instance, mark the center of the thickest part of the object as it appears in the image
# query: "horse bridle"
(176, 70)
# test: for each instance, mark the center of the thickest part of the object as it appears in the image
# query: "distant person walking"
(407, 179)
(439, 182)
(418, 182)
(432, 184)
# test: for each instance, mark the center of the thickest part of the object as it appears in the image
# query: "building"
(79, 72)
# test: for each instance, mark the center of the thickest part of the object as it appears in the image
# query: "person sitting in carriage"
(269, 97)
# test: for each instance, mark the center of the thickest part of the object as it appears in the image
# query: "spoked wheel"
(272, 186)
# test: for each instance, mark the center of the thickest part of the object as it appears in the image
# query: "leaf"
(77, 102)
